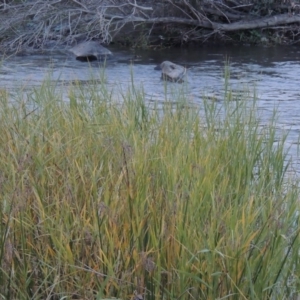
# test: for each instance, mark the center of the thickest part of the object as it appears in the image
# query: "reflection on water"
(272, 73)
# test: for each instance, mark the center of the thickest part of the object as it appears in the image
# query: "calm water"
(271, 72)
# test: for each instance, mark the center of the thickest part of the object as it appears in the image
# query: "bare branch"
(33, 23)
(259, 23)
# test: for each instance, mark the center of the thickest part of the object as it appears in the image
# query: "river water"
(272, 72)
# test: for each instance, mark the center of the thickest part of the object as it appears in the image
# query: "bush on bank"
(101, 198)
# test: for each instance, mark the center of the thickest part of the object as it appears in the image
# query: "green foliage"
(99, 199)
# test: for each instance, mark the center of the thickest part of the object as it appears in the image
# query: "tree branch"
(258, 23)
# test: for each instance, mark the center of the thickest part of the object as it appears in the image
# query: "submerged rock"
(171, 72)
(90, 51)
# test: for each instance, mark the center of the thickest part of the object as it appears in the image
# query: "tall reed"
(102, 198)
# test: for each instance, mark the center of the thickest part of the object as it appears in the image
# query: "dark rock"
(90, 51)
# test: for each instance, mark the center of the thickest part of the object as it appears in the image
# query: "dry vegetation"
(42, 24)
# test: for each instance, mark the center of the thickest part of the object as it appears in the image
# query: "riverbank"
(102, 198)
(146, 24)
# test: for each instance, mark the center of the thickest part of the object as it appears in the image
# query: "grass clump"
(100, 199)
